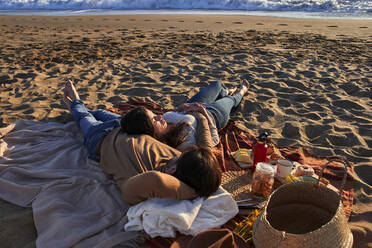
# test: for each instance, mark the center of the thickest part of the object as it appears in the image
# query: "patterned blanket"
(235, 136)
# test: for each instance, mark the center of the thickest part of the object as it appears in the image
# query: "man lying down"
(141, 166)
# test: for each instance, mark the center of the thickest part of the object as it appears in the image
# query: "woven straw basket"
(237, 183)
(303, 214)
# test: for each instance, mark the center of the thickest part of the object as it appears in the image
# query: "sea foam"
(344, 6)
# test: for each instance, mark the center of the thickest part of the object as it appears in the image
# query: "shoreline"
(253, 13)
(333, 28)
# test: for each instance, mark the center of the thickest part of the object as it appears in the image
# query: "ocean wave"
(347, 6)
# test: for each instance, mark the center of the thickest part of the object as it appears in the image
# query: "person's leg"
(93, 130)
(209, 94)
(221, 108)
(86, 119)
(104, 115)
(83, 117)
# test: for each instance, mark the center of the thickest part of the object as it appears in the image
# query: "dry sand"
(311, 80)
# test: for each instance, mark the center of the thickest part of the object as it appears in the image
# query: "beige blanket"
(44, 166)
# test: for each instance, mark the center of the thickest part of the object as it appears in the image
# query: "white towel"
(163, 217)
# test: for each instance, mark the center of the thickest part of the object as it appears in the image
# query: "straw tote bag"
(304, 214)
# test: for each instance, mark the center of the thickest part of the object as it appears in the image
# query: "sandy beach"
(311, 81)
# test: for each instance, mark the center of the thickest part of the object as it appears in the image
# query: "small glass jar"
(263, 179)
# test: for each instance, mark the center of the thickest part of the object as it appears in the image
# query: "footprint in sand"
(313, 116)
(22, 107)
(142, 92)
(363, 27)
(181, 21)
(313, 131)
(347, 104)
(332, 26)
(164, 20)
(282, 24)
(147, 20)
(4, 79)
(101, 96)
(259, 23)
(25, 75)
(29, 111)
(290, 130)
(219, 22)
(237, 23)
(307, 26)
(345, 138)
(199, 21)
(132, 20)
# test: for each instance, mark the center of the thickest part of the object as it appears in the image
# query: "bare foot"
(244, 87)
(231, 91)
(69, 93)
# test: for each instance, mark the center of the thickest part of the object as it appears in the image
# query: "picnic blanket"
(235, 136)
(74, 203)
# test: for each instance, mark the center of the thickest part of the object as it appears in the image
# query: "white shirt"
(190, 129)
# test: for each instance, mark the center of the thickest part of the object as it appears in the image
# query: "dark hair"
(137, 121)
(199, 169)
(175, 136)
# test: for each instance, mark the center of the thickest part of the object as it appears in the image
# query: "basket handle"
(345, 163)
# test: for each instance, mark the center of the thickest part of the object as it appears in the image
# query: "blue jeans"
(217, 102)
(95, 125)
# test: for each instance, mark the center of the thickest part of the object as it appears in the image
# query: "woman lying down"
(131, 148)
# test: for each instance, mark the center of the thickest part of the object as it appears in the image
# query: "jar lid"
(265, 168)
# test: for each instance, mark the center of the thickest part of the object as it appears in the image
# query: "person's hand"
(171, 166)
(194, 107)
(182, 107)
(197, 115)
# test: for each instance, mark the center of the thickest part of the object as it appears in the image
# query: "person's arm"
(155, 184)
(203, 133)
(196, 107)
(182, 107)
(214, 135)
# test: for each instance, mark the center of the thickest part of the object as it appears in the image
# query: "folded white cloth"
(163, 217)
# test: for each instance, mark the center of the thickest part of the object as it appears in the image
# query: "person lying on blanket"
(178, 129)
(141, 166)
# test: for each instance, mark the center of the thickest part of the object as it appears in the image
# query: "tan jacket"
(139, 163)
(132, 161)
